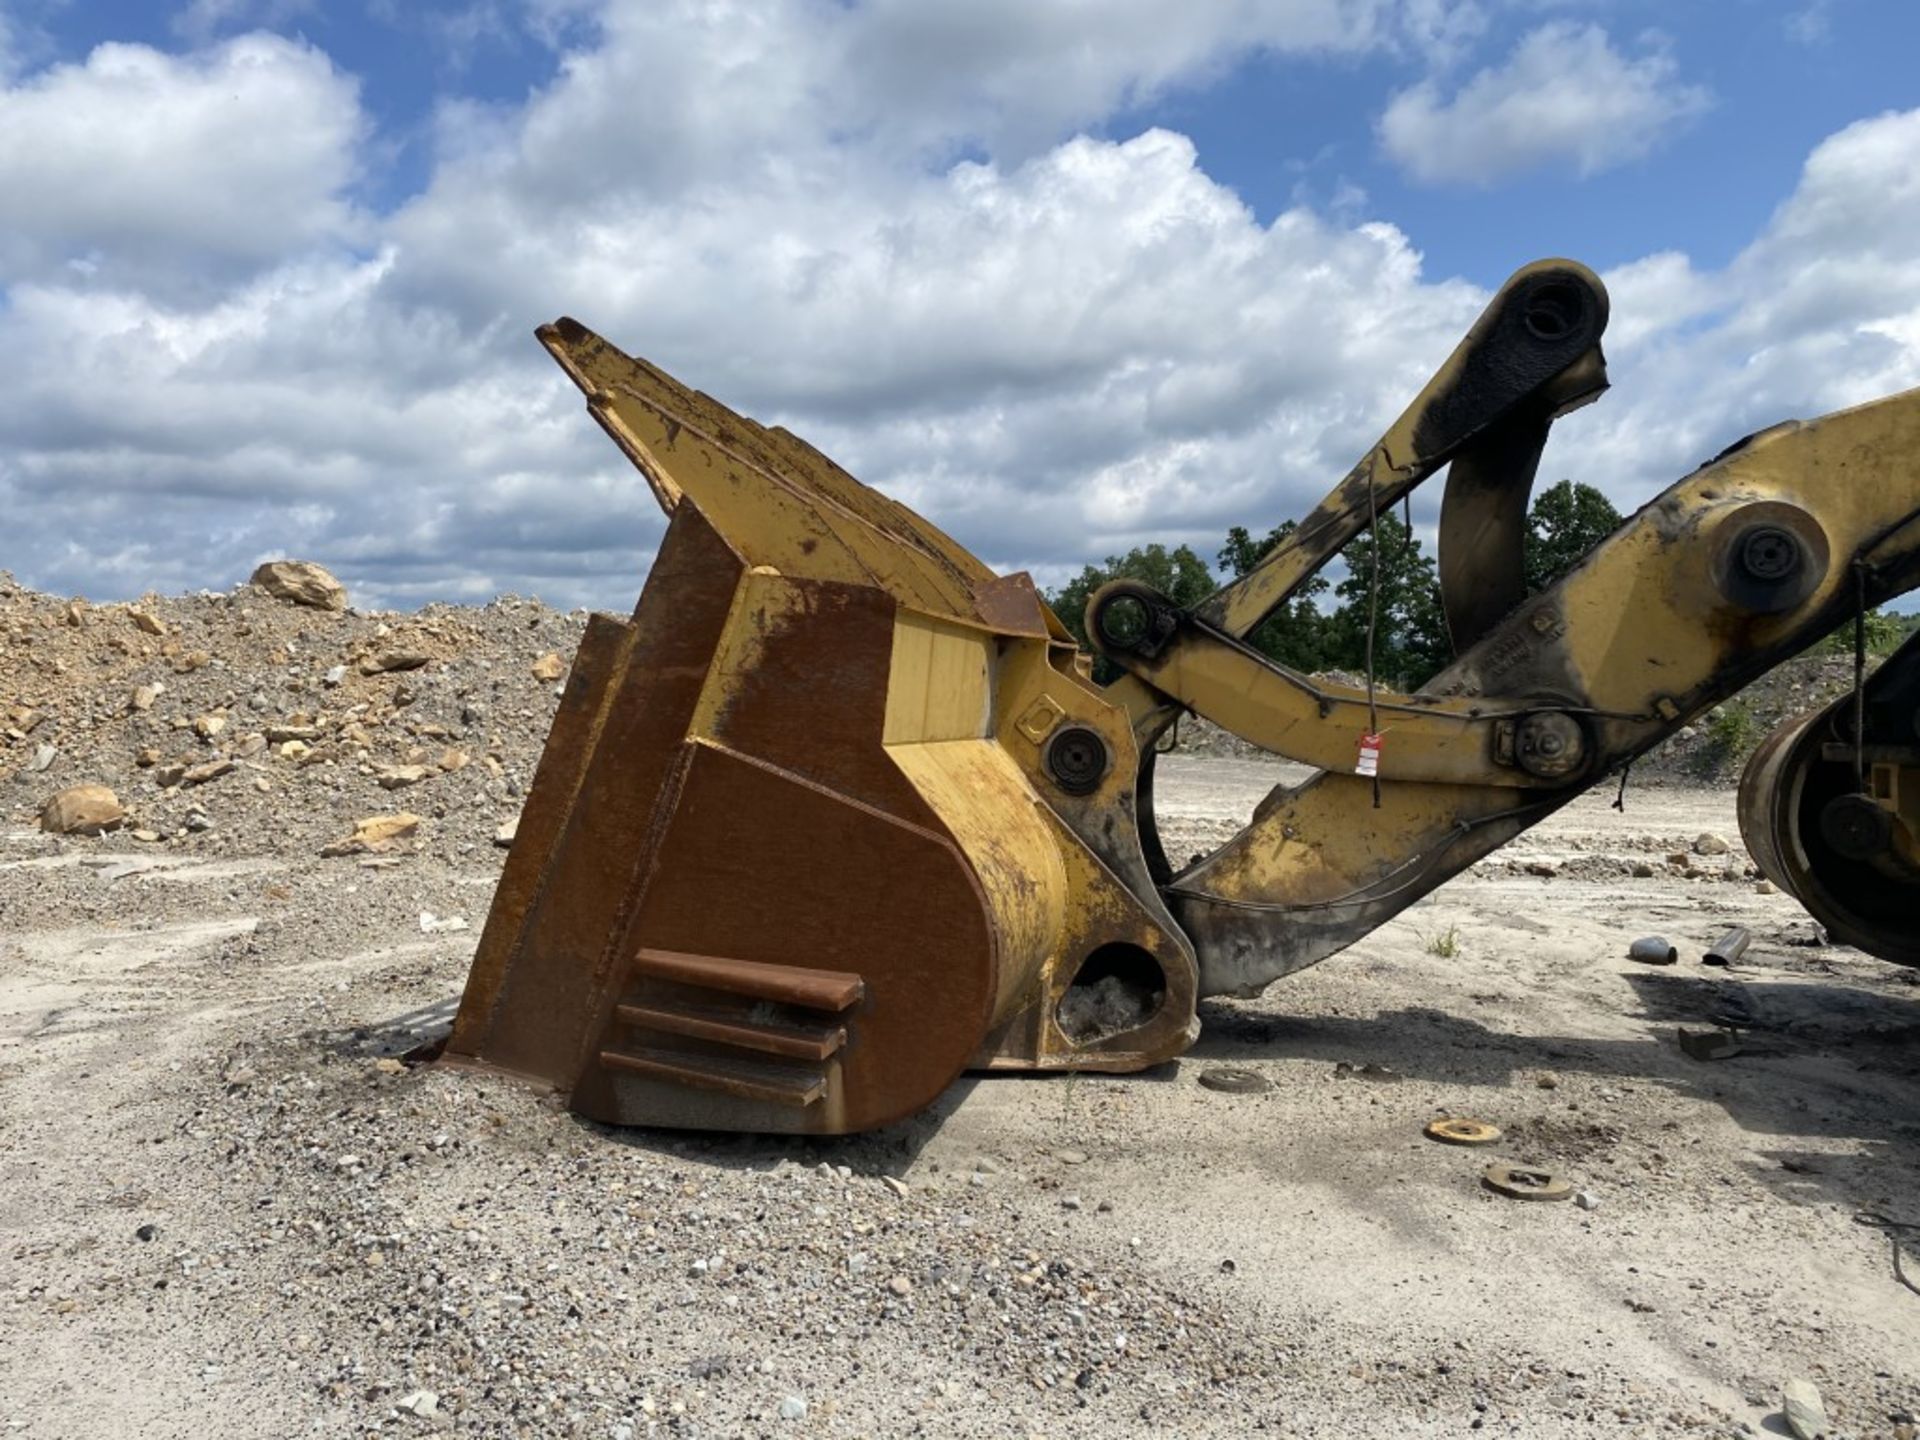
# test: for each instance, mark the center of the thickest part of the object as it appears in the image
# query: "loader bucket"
(834, 816)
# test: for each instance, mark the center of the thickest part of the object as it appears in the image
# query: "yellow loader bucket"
(833, 817)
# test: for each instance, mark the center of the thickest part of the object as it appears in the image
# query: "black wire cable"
(1373, 623)
(1893, 1230)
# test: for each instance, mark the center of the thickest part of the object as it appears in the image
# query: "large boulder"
(302, 582)
(81, 810)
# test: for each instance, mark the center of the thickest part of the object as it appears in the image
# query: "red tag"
(1369, 761)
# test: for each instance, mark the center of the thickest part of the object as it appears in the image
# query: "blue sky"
(1065, 276)
(1781, 79)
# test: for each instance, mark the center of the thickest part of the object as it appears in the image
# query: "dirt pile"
(1717, 745)
(242, 719)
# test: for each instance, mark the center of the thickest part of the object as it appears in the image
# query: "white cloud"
(1013, 73)
(1653, 297)
(1565, 97)
(759, 87)
(1821, 311)
(137, 164)
(1089, 320)
(1071, 347)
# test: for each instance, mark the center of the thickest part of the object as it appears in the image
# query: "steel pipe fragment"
(1728, 949)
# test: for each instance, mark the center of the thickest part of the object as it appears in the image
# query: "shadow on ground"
(1824, 1061)
(399, 1036)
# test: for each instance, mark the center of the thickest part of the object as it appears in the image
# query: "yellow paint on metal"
(778, 501)
(1897, 789)
(1319, 723)
(1321, 843)
(1640, 621)
(1041, 718)
(1055, 842)
(939, 686)
(983, 800)
(1643, 608)
(764, 603)
(939, 711)
(1394, 462)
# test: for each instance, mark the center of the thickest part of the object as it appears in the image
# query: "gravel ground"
(229, 1206)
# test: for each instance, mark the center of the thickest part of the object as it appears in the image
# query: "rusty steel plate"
(1525, 1182)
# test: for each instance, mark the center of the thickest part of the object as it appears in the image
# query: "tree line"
(1324, 625)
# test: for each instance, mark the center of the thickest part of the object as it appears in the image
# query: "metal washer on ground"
(1458, 1130)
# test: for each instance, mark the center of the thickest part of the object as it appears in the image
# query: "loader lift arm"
(838, 813)
(1733, 569)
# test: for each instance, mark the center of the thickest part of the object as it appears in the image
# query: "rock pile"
(273, 718)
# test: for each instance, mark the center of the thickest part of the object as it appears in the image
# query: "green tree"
(1884, 635)
(1567, 520)
(1295, 634)
(1410, 638)
(1179, 574)
(1242, 553)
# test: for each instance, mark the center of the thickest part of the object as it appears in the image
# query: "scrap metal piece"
(1235, 1080)
(1653, 950)
(1525, 1182)
(1728, 949)
(1327, 859)
(1459, 1130)
(794, 858)
(1830, 811)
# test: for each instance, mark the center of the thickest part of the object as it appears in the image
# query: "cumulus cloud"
(153, 167)
(1077, 330)
(1565, 97)
(1053, 346)
(1821, 311)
